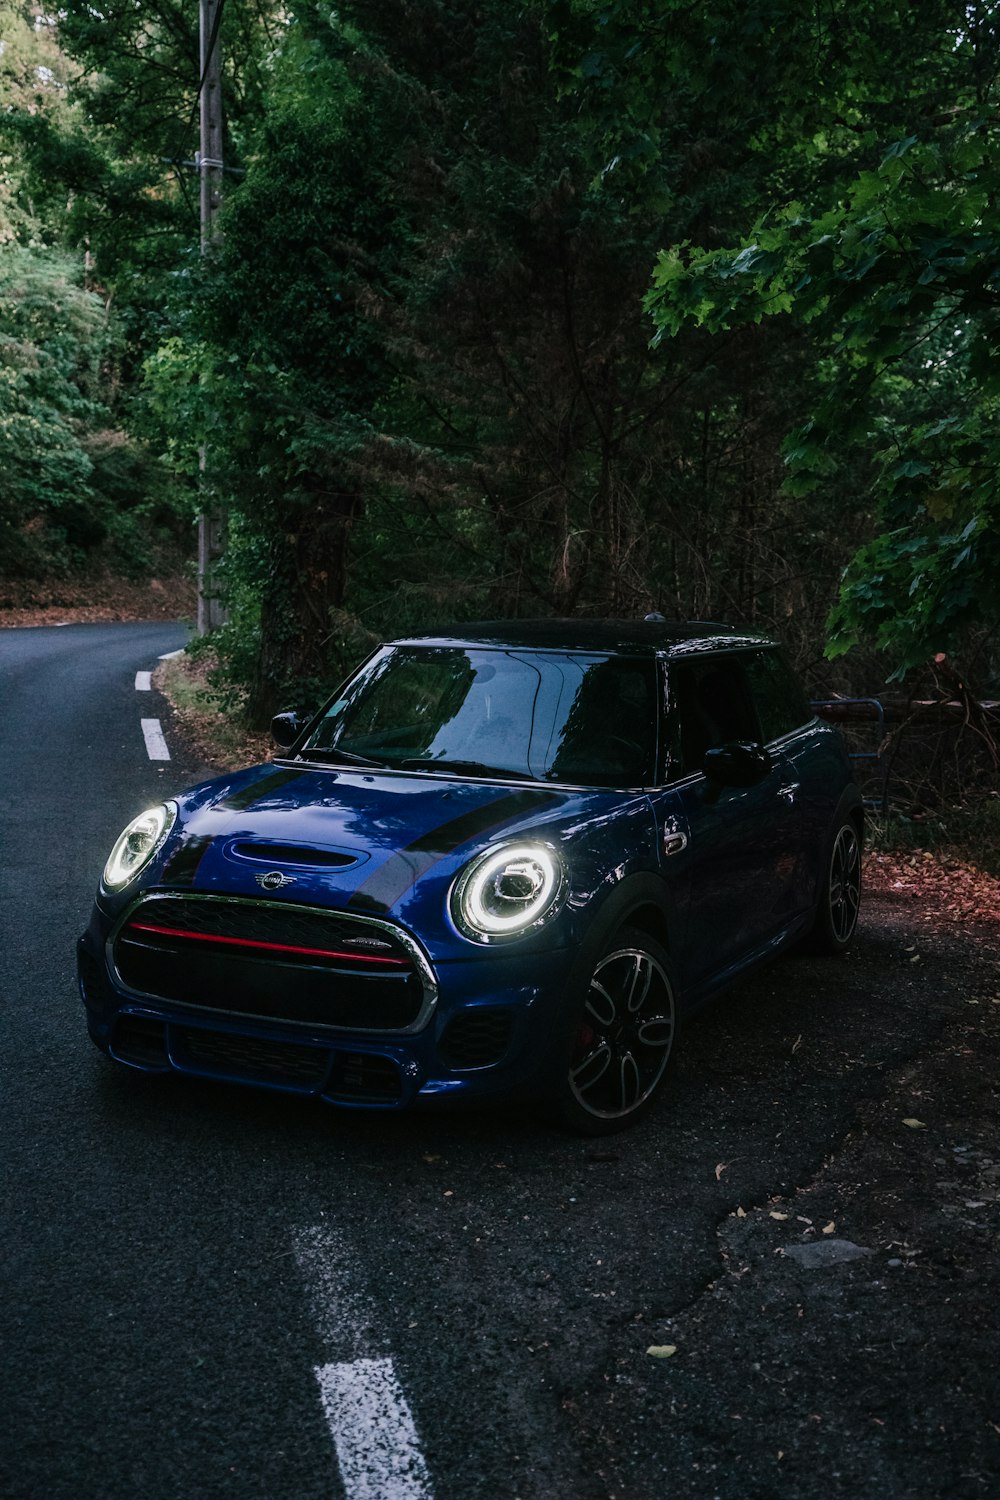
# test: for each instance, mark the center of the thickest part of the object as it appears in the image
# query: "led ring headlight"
(506, 891)
(136, 846)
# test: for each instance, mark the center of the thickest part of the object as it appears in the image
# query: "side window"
(781, 702)
(711, 704)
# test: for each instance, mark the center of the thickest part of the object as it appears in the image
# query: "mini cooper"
(509, 858)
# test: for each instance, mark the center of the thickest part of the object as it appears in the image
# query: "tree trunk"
(306, 580)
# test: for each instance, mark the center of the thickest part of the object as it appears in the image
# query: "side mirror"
(739, 763)
(285, 729)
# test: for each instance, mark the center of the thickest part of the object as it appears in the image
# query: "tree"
(428, 315)
(892, 261)
(98, 225)
(71, 482)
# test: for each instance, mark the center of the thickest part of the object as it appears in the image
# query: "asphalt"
(180, 1260)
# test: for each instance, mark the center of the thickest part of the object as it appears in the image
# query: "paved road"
(200, 1282)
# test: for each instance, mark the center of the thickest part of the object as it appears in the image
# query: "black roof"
(629, 637)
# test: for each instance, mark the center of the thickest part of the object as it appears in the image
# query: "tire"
(836, 917)
(619, 1045)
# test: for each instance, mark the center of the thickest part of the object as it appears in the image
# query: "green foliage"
(70, 480)
(895, 269)
(35, 75)
(420, 361)
(417, 372)
(50, 343)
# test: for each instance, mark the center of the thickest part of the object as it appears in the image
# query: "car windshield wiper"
(310, 752)
(463, 767)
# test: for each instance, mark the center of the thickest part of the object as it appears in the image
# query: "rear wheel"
(621, 1038)
(840, 898)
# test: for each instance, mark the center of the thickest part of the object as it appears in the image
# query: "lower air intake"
(476, 1038)
(286, 1064)
(139, 1040)
(364, 1078)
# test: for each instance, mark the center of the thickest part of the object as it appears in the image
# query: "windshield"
(546, 716)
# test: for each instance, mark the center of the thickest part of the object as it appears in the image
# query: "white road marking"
(373, 1431)
(378, 1451)
(156, 745)
(169, 655)
(143, 682)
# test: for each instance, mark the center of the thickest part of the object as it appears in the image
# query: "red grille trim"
(233, 942)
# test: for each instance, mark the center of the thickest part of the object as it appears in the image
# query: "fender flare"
(603, 917)
(600, 920)
(851, 803)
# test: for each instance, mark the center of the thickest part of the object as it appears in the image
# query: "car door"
(814, 758)
(734, 848)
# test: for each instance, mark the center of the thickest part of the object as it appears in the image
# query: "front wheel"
(840, 896)
(621, 1039)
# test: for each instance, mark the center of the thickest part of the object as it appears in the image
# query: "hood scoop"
(270, 853)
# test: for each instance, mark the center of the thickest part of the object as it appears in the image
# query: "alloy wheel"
(625, 1035)
(845, 883)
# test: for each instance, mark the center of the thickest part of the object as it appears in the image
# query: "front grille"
(250, 1058)
(271, 960)
(476, 1038)
(270, 922)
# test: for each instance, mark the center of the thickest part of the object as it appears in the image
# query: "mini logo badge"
(274, 880)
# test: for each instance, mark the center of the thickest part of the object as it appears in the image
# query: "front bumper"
(485, 1031)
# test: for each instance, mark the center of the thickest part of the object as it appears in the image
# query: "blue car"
(509, 858)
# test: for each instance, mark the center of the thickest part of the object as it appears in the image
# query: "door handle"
(788, 791)
(674, 843)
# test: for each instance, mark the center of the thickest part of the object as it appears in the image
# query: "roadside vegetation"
(560, 306)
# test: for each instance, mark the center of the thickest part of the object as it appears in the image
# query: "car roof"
(612, 637)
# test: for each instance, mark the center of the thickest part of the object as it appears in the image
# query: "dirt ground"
(849, 1345)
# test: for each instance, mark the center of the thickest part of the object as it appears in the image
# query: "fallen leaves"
(661, 1351)
(949, 890)
(913, 1124)
(94, 597)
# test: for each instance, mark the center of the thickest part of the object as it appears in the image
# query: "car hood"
(368, 842)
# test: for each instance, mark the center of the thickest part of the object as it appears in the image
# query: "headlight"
(506, 891)
(137, 845)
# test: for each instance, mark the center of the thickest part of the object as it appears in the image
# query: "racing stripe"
(390, 881)
(182, 866)
(271, 781)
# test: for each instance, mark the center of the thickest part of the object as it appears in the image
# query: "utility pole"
(211, 522)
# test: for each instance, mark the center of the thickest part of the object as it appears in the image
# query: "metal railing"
(881, 761)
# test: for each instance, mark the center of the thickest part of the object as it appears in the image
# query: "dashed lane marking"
(143, 682)
(378, 1451)
(374, 1434)
(156, 745)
